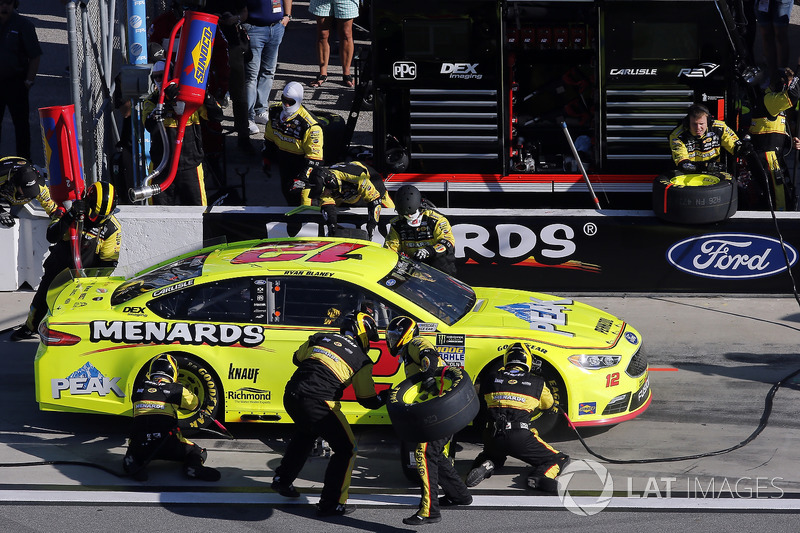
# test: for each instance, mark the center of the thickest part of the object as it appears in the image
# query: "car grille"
(618, 404)
(638, 364)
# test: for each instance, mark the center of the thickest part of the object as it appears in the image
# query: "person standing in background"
(772, 17)
(343, 11)
(266, 23)
(19, 62)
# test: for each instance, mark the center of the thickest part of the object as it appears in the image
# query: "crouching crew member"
(511, 394)
(326, 364)
(420, 232)
(697, 143)
(156, 434)
(20, 183)
(353, 184)
(434, 467)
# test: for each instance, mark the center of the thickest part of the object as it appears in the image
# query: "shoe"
(417, 520)
(204, 473)
(348, 80)
(262, 118)
(253, 127)
(544, 484)
(287, 491)
(320, 79)
(447, 501)
(478, 474)
(340, 509)
(22, 333)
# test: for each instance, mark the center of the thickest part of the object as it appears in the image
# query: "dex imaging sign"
(731, 256)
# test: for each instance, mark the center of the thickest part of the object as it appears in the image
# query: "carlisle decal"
(735, 256)
(134, 332)
(171, 288)
(86, 380)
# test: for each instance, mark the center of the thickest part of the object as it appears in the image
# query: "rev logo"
(404, 70)
(702, 71)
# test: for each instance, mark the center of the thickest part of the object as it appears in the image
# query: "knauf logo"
(731, 256)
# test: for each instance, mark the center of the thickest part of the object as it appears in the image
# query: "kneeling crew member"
(155, 433)
(511, 394)
(326, 364)
(434, 467)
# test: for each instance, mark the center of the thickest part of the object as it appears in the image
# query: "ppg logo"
(404, 70)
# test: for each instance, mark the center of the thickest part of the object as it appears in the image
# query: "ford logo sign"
(730, 256)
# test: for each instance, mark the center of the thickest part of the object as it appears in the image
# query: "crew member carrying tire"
(326, 364)
(420, 232)
(420, 356)
(772, 139)
(155, 433)
(351, 183)
(510, 395)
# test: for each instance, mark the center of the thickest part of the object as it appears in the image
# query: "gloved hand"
(383, 396)
(429, 385)
(370, 229)
(744, 148)
(687, 167)
(6, 219)
(171, 92)
(78, 208)
(423, 253)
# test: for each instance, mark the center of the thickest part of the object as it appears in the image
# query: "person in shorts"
(343, 12)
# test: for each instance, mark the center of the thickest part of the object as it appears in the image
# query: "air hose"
(761, 425)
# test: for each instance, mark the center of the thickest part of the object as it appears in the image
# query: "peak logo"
(462, 71)
(702, 71)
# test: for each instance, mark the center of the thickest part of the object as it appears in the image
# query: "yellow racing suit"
(433, 235)
(702, 153)
(433, 465)
(358, 185)
(295, 144)
(8, 192)
(771, 137)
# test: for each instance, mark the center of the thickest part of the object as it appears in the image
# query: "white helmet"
(292, 98)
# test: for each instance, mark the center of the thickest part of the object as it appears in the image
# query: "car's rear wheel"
(198, 377)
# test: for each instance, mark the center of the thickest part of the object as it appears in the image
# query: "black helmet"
(780, 79)
(519, 354)
(361, 327)
(163, 366)
(407, 200)
(399, 332)
(101, 200)
(323, 178)
(27, 178)
(395, 155)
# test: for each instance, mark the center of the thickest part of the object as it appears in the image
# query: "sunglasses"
(285, 99)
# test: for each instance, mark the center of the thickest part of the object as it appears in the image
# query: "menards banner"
(579, 250)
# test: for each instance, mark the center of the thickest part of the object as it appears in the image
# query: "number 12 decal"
(612, 380)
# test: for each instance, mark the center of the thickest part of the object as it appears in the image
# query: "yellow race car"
(234, 314)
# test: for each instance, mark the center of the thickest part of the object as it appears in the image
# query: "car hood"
(543, 317)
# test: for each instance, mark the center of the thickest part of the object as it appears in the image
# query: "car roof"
(312, 255)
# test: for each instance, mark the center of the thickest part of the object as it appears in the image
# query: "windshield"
(441, 295)
(175, 272)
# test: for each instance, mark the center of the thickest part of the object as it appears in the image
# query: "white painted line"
(405, 500)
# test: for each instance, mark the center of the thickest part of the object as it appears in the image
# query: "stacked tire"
(695, 198)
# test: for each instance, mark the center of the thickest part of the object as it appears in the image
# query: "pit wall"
(559, 251)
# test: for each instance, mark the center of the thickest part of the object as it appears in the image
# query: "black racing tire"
(408, 462)
(695, 198)
(419, 417)
(203, 382)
